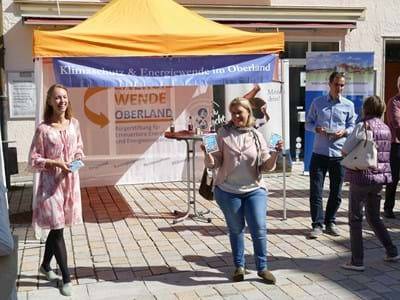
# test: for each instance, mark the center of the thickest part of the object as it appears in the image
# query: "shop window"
(295, 49)
(324, 46)
(393, 52)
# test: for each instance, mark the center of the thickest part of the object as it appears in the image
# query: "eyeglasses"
(339, 84)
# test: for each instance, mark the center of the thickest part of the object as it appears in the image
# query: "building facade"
(309, 25)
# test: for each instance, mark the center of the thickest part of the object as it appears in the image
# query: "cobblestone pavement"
(128, 248)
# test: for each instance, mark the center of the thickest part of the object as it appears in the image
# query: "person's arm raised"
(252, 93)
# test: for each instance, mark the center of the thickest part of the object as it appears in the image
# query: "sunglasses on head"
(339, 84)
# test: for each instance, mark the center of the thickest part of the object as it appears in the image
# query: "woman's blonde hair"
(48, 111)
(373, 106)
(243, 102)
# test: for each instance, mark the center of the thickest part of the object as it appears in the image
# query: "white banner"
(123, 130)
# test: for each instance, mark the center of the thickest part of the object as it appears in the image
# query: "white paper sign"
(303, 79)
(22, 94)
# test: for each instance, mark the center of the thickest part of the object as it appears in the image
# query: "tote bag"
(206, 185)
(364, 155)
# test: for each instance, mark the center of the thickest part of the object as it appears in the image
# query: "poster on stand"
(358, 68)
(270, 98)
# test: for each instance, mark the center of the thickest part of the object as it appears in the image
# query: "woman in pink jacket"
(57, 142)
(240, 190)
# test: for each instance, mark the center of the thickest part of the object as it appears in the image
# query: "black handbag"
(207, 186)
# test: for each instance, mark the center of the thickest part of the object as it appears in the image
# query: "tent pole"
(3, 183)
(38, 68)
(283, 79)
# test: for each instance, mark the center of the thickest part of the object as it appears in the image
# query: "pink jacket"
(229, 155)
(393, 115)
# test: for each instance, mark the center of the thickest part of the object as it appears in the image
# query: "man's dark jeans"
(390, 194)
(319, 165)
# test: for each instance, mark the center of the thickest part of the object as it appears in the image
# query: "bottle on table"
(172, 127)
(212, 125)
(190, 124)
(198, 130)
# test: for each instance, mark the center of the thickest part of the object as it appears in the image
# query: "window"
(324, 46)
(295, 49)
(392, 52)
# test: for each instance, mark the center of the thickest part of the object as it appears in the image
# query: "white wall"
(226, 2)
(382, 20)
(18, 57)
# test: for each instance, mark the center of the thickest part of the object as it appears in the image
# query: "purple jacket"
(382, 175)
(393, 115)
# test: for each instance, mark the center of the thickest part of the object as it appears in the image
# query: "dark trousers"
(319, 165)
(390, 195)
(370, 197)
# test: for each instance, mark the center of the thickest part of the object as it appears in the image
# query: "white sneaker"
(391, 258)
(315, 233)
(332, 229)
(50, 275)
(350, 266)
(66, 289)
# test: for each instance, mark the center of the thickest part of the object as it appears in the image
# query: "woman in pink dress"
(57, 142)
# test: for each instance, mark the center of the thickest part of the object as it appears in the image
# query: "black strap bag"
(206, 189)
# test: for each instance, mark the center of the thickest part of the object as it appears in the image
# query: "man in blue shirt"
(331, 118)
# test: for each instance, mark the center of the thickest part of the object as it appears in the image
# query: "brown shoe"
(238, 275)
(267, 276)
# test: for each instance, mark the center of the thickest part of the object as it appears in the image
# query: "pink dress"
(58, 197)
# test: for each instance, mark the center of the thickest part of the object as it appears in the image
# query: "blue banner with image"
(163, 71)
(358, 68)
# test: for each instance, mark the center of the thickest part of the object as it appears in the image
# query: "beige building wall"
(18, 57)
(226, 2)
(382, 20)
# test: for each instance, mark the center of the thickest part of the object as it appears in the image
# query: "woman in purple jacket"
(239, 187)
(366, 186)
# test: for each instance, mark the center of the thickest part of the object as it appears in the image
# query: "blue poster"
(163, 71)
(360, 82)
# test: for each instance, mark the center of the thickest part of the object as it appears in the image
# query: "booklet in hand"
(275, 138)
(76, 164)
(210, 142)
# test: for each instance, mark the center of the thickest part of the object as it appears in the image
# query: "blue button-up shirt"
(333, 115)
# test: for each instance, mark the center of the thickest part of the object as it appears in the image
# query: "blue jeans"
(319, 165)
(252, 208)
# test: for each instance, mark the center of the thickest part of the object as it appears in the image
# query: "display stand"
(190, 139)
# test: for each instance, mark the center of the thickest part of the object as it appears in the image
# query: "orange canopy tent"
(151, 28)
(146, 28)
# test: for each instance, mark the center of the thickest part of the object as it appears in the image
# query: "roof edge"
(250, 13)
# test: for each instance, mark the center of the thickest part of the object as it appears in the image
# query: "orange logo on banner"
(99, 119)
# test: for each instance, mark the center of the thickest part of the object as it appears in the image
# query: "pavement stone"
(367, 294)
(128, 248)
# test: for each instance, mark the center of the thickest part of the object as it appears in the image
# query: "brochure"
(210, 142)
(275, 138)
(76, 164)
